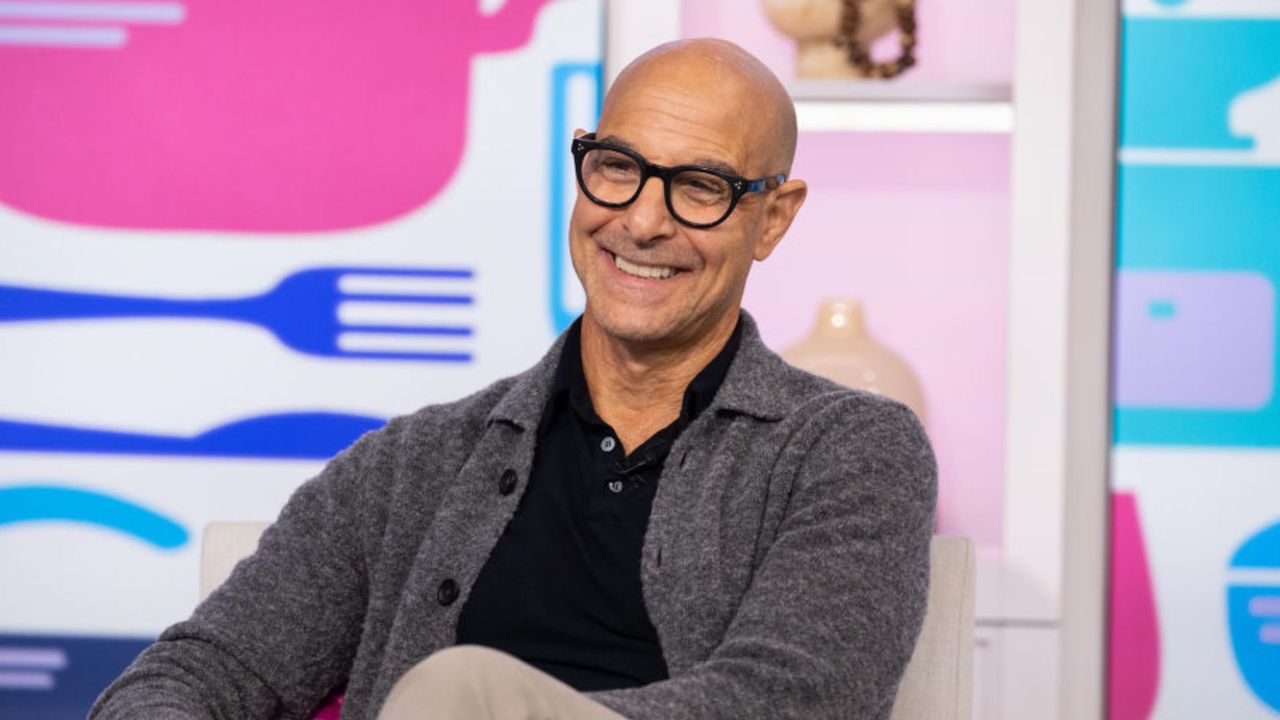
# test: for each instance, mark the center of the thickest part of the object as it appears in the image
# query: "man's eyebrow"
(705, 162)
(617, 142)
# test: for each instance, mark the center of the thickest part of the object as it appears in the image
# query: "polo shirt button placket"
(507, 483)
(447, 592)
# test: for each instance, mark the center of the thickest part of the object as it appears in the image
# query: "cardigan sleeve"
(831, 616)
(280, 634)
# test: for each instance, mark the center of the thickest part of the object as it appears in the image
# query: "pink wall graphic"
(241, 115)
(1133, 668)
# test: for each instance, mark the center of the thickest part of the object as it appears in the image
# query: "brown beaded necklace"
(860, 57)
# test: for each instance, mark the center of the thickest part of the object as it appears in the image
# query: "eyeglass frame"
(739, 185)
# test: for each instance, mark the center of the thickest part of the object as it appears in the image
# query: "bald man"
(661, 519)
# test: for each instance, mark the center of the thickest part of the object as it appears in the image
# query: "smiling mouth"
(650, 272)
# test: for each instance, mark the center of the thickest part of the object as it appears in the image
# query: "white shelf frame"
(634, 26)
(913, 116)
(1061, 265)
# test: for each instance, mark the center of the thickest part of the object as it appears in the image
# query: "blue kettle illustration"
(1253, 613)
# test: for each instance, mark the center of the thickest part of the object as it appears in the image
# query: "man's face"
(621, 255)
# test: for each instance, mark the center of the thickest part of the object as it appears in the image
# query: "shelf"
(901, 106)
(898, 91)
(904, 116)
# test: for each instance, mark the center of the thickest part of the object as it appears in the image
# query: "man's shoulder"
(447, 432)
(820, 418)
(767, 381)
(817, 398)
(466, 417)
(835, 432)
(440, 434)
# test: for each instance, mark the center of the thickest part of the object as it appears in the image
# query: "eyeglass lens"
(614, 178)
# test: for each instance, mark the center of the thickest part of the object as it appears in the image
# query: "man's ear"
(778, 214)
(579, 133)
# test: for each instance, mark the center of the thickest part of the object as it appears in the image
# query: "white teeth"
(644, 271)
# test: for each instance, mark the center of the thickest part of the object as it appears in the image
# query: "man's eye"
(702, 187)
(616, 167)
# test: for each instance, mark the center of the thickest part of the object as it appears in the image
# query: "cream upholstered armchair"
(939, 678)
(938, 684)
(225, 544)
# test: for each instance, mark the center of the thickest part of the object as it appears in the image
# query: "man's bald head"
(722, 74)
(654, 281)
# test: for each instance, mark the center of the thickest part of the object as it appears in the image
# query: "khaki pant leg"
(468, 682)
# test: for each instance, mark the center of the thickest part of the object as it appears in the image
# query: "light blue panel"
(1179, 77)
(1200, 218)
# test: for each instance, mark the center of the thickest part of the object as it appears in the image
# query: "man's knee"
(461, 666)
(462, 660)
(470, 681)
(450, 683)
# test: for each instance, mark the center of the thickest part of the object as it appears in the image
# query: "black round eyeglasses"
(697, 196)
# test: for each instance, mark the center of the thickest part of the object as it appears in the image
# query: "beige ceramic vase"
(815, 25)
(840, 349)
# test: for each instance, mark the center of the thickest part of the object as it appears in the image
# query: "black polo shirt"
(561, 589)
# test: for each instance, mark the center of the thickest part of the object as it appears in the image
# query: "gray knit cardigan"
(785, 566)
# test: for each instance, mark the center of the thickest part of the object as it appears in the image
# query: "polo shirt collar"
(570, 380)
(749, 386)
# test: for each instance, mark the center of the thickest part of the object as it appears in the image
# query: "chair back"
(938, 683)
(225, 544)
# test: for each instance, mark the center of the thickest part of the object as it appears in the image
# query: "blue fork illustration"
(302, 311)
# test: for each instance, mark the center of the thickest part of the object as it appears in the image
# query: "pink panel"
(248, 115)
(960, 40)
(917, 227)
(1134, 664)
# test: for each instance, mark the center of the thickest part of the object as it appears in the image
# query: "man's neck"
(637, 388)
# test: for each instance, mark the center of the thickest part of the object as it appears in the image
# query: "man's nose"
(647, 217)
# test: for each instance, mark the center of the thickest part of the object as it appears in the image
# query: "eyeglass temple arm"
(763, 183)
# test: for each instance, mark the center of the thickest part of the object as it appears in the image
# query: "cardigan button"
(507, 483)
(447, 592)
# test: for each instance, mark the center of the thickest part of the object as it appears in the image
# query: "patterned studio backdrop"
(235, 235)
(1195, 629)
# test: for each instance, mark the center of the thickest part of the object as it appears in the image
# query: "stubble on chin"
(628, 325)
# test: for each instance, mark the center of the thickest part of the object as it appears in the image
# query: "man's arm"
(832, 614)
(280, 634)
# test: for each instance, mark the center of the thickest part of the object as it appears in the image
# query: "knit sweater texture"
(785, 566)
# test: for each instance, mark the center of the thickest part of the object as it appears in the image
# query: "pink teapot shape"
(283, 116)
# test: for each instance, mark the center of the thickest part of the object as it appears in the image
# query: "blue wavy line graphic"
(42, 503)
